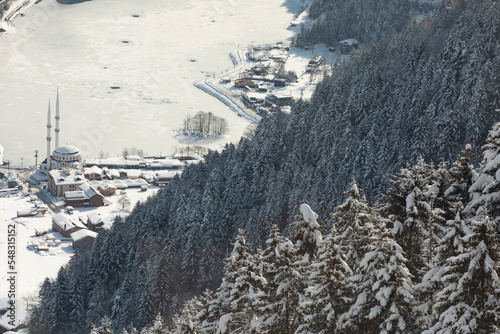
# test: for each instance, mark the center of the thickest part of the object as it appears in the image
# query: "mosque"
(63, 157)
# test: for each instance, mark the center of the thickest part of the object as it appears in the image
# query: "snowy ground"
(32, 266)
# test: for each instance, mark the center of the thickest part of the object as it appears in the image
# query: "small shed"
(279, 82)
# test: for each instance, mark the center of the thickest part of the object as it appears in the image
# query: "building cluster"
(88, 188)
(82, 230)
(86, 183)
(262, 81)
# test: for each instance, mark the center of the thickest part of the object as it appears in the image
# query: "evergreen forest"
(274, 234)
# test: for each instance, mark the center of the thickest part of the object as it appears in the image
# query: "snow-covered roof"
(133, 173)
(135, 183)
(94, 218)
(76, 194)
(66, 223)
(349, 41)
(119, 184)
(67, 150)
(93, 170)
(61, 178)
(114, 172)
(89, 190)
(164, 174)
(81, 234)
(106, 185)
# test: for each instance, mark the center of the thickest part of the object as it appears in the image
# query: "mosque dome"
(66, 153)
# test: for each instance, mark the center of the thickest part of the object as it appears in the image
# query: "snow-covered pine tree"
(461, 174)
(326, 297)
(306, 233)
(41, 317)
(190, 319)
(232, 309)
(60, 303)
(355, 220)
(485, 191)
(384, 288)
(77, 319)
(468, 301)
(276, 308)
(104, 328)
(430, 285)
(410, 205)
(307, 237)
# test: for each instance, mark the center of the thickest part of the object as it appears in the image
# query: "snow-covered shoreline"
(15, 8)
(210, 87)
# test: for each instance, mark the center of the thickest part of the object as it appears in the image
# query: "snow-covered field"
(32, 266)
(125, 69)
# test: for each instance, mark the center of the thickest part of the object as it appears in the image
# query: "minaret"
(57, 119)
(49, 138)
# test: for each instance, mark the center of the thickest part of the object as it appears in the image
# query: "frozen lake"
(125, 70)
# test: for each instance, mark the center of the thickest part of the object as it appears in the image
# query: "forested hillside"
(427, 90)
(365, 20)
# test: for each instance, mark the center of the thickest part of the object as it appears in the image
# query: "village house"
(94, 221)
(133, 174)
(110, 174)
(106, 189)
(280, 99)
(93, 173)
(65, 225)
(60, 181)
(85, 196)
(245, 83)
(137, 183)
(162, 177)
(347, 45)
(83, 238)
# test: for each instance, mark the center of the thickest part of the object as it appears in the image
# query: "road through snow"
(209, 86)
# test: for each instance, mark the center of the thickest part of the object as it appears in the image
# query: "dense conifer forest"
(393, 118)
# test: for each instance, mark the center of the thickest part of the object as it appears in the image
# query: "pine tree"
(104, 328)
(484, 190)
(233, 311)
(326, 297)
(412, 209)
(355, 220)
(276, 309)
(384, 290)
(306, 233)
(468, 299)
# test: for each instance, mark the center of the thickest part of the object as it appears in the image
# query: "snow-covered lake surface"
(125, 70)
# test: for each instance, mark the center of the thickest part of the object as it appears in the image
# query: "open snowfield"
(125, 69)
(32, 266)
